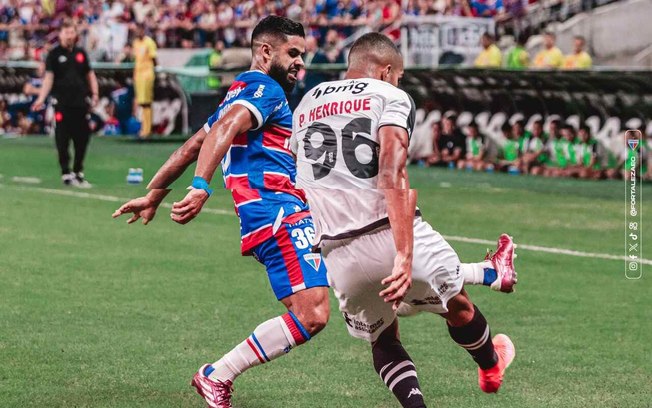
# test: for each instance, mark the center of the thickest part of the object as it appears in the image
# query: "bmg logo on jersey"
(354, 87)
(259, 91)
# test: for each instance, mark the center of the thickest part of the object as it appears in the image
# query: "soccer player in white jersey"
(351, 140)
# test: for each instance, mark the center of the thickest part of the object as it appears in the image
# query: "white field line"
(559, 251)
(113, 199)
(535, 248)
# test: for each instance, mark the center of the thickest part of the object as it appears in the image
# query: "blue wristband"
(200, 184)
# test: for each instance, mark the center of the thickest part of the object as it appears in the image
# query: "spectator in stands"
(475, 150)
(225, 18)
(330, 53)
(34, 120)
(511, 17)
(490, 57)
(550, 56)
(332, 49)
(460, 8)
(422, 8)
(518, 57)
(126, 56)
(486, 8)
(579, 59)
(4, 50)
(207, 25)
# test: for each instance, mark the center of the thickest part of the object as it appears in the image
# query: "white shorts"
(356, 267)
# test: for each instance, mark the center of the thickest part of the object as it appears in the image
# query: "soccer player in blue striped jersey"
(249, 135)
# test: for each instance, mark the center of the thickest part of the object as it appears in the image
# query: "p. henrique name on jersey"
(335, 139)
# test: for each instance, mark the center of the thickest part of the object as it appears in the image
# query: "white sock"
(474, 273)
(271, 339)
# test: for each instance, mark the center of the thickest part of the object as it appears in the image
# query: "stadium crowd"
(26, 26)
(555, 149)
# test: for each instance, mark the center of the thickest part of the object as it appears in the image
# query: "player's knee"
(316, 319)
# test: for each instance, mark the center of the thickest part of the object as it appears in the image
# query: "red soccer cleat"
(491, 379)
(217, 394)
(503, 262)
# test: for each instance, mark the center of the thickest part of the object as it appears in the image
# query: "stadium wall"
(607, 101)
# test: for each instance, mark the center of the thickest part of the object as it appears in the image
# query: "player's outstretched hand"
(142, 207)
(399, 281)
(187, 209)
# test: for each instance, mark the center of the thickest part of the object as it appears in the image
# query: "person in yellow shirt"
(550, 56)
(144, 51)
(579, 59)
(490, 57)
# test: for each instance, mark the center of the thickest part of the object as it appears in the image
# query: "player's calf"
(470, 330)
(396, 368)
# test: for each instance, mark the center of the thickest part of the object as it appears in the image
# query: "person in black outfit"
(69, 76)
(451, 144)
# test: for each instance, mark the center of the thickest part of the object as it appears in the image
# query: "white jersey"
(335, 138)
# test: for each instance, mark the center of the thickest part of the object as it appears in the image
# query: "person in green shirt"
(533, 151)
(570, 151)
(623, 168)
(509, 152)
(214, 62)
(523, 136)
(475, 150)
(518, 57)
(556, 151)
(587, 154)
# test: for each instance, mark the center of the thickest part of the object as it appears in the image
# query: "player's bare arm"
(145, 207)
(401, 203)
(218, 141)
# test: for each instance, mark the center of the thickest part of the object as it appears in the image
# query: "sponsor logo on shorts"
(363, 326)
(443, 288)
(313, 260)
(430, 300)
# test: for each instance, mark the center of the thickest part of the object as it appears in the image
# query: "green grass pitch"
(97, 313)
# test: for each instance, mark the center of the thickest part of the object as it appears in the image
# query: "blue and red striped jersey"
(259, 167)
